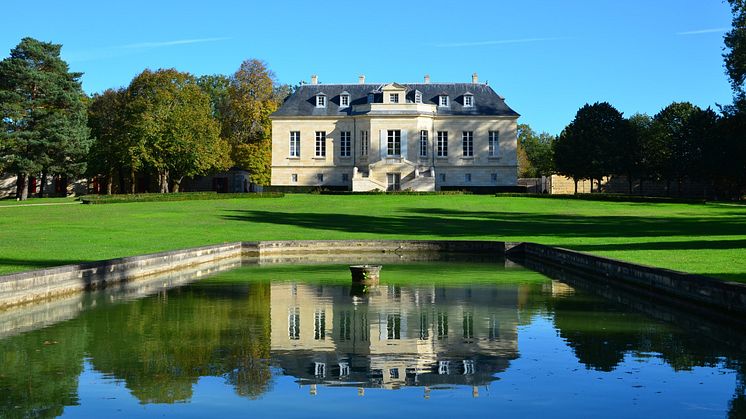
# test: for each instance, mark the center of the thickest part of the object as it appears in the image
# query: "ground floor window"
(345, 144)
(467, 138)
(320, 143)
(394, 142)
(493, 144)
(442, 144)
(393, 181)
(364, 143)
(423, 143)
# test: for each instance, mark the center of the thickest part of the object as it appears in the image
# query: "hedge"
(180, 196)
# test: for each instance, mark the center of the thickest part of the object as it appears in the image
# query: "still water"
(433, 340)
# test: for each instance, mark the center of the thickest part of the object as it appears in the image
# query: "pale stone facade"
(422, 137)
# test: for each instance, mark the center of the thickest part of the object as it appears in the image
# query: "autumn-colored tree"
(252, 98)
(172, 118)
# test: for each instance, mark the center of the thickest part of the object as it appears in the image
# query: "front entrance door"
(393, 181)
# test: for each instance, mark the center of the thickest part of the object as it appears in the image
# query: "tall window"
(468, 325)
(344, 101)
(423, 143)
(345, 324)
(393, 326)
(294, 143)
(493, 143)
(394, 97)
(320, 143)
(344, 144)
(467, 138)
(319, 325)
(442, 321)
(442, 144)
(443, 100)
(394, 142)
(294, 323)
(320, 100)
(364, 143)
(417, 97)
(468, 100)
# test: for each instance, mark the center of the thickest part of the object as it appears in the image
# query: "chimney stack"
(314, 79)
(361, 79)
(427, 79)
(474, 78)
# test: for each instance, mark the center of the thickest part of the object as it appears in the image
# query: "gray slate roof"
(486, 101)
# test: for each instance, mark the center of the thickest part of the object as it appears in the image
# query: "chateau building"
(422, 137)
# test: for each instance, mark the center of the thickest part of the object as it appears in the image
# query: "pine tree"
(43, 114)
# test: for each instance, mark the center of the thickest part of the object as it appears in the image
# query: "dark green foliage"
(587, 148)
(42, 112)
(110, 151)
(184, 196)
(735, 44)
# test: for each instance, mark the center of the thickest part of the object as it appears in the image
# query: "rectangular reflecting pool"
(434, 339)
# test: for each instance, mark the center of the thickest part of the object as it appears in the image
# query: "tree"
(537, 150)
(253, 98)
(735, 44)
(586, 149)
(635, 150)
(171, 116)
(674, 142)
(43, 116)
(110, 150)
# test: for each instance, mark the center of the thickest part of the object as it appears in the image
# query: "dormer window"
(417, 96)
(468, 100)
(344, 100)
(443, 101)
(394, 97)
(321, 100)
(371, 97)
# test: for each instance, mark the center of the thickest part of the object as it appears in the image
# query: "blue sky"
(547, 57)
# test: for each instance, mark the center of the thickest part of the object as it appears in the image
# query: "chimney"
(474, 78)
(361, 79)
(314, 79)
(427, 79)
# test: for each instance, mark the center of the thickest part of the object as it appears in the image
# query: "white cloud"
(702, 31)
(120, 50)
(171, 43)
(494, 42)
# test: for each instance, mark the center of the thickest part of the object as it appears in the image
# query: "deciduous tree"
(173, 119)
(253, 98)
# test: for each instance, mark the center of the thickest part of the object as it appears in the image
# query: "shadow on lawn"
(455, 224)
(39, 263)
(451, 223)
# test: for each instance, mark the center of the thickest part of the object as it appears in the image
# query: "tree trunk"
(641, 190)
(21, 188)
(591, 185)
(163, 181)
(133, 181)
(668, 187)
(109, 181)
(576, 185)
(177, 184)
(43, 182)
(629, 183)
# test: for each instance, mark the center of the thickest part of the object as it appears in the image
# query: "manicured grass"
(707, 239)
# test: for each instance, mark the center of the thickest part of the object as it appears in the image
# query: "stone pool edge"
(30, 286)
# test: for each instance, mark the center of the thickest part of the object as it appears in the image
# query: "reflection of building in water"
(394, 336)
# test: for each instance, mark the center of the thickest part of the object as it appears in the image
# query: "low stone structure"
(41, 284)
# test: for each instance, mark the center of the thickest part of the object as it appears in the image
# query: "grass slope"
(707, 239)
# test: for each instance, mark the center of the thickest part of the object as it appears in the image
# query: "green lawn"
(708, 239)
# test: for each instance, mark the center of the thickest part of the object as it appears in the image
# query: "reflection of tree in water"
(163, 345)
(602, 333)
(39, 371)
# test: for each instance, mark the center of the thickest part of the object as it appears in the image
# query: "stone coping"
(31, 286)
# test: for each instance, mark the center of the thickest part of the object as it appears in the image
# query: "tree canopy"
(42, 112)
